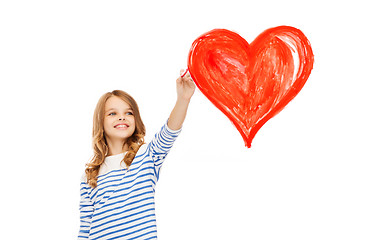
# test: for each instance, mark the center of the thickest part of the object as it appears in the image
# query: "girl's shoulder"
(143, 149)
(83, 178)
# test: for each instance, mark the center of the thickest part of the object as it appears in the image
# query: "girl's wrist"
(183, 99)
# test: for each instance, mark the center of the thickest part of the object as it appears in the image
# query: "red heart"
(251, 83)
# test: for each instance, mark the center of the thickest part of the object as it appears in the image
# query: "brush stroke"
(251, 83)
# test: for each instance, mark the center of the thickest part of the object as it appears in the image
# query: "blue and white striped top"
(122, 205)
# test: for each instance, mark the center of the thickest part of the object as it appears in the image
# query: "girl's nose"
(122, 117)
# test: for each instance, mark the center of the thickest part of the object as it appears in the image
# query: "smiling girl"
(117, 190)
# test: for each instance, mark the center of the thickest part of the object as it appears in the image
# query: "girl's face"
(119, 122)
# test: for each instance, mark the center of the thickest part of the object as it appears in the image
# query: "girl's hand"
(185, 86)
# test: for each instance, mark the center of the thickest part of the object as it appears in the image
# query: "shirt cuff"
(170, 130)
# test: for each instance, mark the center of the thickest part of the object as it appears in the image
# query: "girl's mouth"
(122, 126)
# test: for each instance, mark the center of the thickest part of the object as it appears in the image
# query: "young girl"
(117, 190)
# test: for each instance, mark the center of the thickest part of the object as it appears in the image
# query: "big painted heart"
(251, 83)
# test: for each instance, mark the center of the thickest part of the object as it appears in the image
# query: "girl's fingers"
(187, 74)
(184, 72)
(185, 77)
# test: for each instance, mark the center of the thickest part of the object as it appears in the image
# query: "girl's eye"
(112, 114)
(129, 113)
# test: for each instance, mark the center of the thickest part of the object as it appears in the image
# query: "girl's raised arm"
(185, 90)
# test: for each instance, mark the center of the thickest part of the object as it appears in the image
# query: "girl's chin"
(118, 137)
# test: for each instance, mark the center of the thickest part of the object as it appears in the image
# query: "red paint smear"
(251, 83)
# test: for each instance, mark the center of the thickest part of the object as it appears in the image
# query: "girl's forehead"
(116, 103)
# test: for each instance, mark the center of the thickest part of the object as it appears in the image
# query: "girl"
(117, 190)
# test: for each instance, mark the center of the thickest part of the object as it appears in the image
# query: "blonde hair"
(99, 142)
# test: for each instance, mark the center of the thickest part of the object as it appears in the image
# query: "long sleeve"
(86, 209)
(161, 144)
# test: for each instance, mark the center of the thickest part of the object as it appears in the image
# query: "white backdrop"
(308, 175)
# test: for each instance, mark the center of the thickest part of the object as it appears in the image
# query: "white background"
(308, 175)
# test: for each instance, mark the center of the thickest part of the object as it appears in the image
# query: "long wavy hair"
(99, 142)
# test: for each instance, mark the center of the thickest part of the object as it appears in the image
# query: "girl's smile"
(121, 126)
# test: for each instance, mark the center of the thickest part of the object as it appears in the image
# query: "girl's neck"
(116, 147)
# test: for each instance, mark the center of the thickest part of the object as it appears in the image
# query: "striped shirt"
(122, 205)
